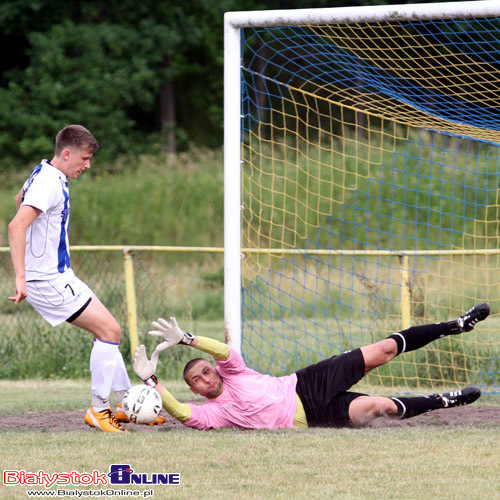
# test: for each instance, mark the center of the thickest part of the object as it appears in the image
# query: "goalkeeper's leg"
(418, 336)
(365, 409)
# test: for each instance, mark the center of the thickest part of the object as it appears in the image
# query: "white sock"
(121, 381)
(102, 371)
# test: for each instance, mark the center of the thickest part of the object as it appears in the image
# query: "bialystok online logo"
(119, 474)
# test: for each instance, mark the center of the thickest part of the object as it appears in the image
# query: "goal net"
(369, 188)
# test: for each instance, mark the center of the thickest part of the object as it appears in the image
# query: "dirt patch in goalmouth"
(463, 415)
(72, 420)
(69, 420)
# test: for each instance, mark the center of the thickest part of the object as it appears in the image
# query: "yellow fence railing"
(100, 276)
(98, 266)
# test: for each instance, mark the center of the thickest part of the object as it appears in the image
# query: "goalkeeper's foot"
(103, 420)
(459, 398)
(471, 318)
(120, 415)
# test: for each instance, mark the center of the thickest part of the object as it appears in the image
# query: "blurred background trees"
(143, 76)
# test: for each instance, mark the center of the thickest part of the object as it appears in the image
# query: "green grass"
(63, 352)
(148, 200)
(456, 462)
(368, 464)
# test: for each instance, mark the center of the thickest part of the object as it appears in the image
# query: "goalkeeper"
(315, 396)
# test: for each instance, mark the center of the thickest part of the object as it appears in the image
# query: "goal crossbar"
(374, 13)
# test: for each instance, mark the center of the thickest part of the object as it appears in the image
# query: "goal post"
(232, 185)
(362, 172)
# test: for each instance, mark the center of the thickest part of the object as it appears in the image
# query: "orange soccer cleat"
(103, 420)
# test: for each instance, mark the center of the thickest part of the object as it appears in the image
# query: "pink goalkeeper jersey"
(249, 400)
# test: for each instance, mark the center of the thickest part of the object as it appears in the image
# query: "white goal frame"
(233, 23)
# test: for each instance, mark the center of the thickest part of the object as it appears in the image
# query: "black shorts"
(322, 388)
(79, 312)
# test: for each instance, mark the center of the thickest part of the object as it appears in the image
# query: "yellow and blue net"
(370, 183)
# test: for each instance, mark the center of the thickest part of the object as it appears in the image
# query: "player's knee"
(389, 348)
(376, 407)
(383, 407)
(365, 409)
(110, 332)
(116, 332)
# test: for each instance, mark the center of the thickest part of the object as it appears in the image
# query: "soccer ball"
(141, 404)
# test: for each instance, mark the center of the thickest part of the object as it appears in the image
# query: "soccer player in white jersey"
(39, 247)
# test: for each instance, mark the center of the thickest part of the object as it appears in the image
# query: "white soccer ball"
(142, 404)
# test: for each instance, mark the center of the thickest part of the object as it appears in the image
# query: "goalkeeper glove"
(171, 332)
(143, 367)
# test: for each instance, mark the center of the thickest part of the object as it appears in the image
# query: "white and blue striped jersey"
(47, 244)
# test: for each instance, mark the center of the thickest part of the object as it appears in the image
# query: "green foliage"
(103, 65)
(152, 201)
(107, 65)
(78, 74)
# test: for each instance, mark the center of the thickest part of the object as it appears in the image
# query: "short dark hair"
(76, 136)
(188, 367)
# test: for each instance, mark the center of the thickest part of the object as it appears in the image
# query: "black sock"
(418, 336)
(411, 407)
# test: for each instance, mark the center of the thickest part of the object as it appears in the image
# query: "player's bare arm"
(17, 243)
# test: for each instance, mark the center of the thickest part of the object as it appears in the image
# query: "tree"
(135, 73)
(81, 73)
(113, 66)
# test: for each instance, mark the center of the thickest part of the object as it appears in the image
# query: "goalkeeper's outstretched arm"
(218, 350)
(173, 335)
(178, 410)
(182, 411)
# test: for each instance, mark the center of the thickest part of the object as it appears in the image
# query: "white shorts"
(59, 298)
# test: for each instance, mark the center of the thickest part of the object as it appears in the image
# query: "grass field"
(449, 462)
(455, 462)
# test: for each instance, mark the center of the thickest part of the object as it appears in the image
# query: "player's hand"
(21, 291)
(171, 333)
(145, 368)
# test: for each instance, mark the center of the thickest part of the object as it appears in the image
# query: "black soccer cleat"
(459, 398)
(472, 317)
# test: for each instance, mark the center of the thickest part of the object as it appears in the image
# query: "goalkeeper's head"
(203, 378)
